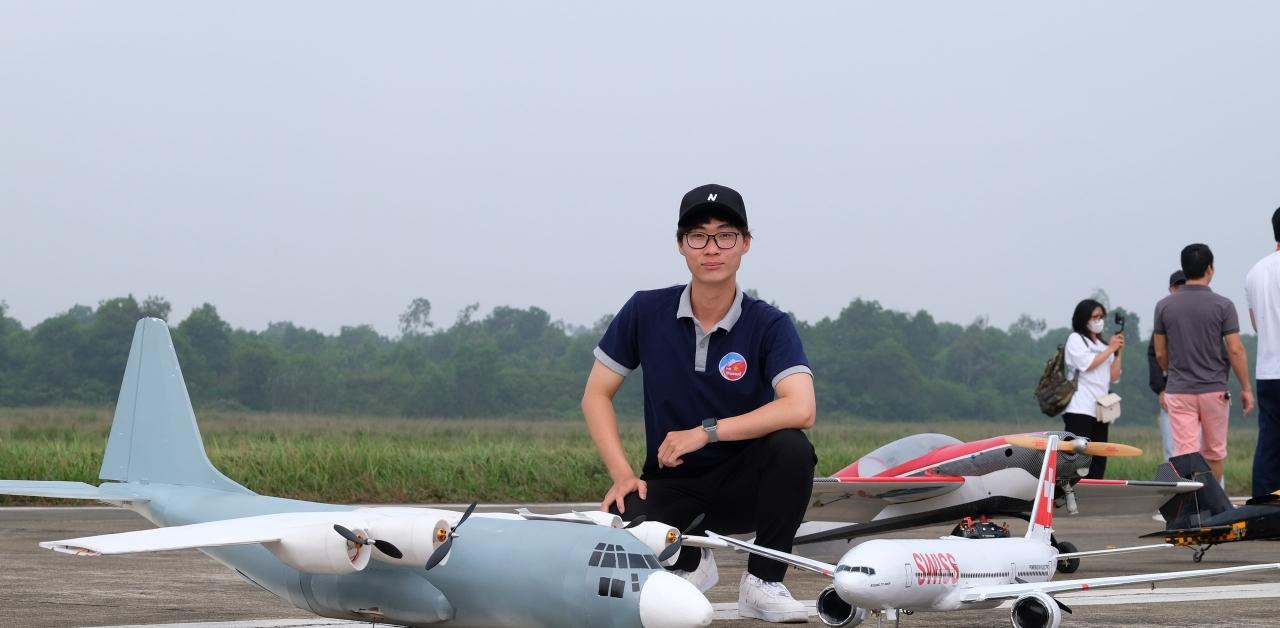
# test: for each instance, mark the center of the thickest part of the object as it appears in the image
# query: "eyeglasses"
(699, 240)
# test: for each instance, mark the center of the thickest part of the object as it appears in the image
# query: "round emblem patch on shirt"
(733, 366)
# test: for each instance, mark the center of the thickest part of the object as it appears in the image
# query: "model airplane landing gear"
(1199, 551)
(1067, 565)
(893, 614)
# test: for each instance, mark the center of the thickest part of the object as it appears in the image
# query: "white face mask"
(1096, 326)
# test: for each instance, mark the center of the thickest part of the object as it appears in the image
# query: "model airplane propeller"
(1078, 445)
(386, 547)
(442, 551)
(671, 550)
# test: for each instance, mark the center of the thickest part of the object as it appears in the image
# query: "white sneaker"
(770, 601)
(705, 576)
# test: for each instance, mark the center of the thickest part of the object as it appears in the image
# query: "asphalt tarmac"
(41, 588)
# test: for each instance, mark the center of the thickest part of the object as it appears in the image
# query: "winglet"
(1041, 528)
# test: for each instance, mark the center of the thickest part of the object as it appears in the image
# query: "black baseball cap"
(1177, 278)
(713, 198)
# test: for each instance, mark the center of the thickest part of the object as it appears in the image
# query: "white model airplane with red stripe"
(927, 479)
(882, 576)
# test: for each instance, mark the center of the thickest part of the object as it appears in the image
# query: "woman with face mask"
(1096, 361)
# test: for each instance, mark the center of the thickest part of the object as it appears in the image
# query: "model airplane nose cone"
(845, 584)
(669, 601)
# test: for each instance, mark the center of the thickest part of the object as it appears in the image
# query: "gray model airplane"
(501, 569)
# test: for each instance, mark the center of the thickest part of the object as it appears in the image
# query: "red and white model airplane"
(954, 573)
(928, 479)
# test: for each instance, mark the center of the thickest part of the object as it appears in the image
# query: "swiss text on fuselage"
(936, 568)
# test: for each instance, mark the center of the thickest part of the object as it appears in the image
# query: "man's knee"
(790, 449)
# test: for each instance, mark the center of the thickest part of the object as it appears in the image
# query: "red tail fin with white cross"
(1041, 528)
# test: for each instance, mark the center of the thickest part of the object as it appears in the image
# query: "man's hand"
(679, 443)
(619, 491)
(1160, 398)
(1246, 401)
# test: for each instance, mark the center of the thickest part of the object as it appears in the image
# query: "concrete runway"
(41, 588)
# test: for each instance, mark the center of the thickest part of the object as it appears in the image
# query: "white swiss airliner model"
(955, 573)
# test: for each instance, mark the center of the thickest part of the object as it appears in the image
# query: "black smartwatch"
(709, 426)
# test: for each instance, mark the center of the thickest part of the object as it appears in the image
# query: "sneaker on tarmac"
(705, 576)
(770, 601)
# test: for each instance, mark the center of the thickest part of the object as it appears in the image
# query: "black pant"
(1090, 428)
(1266, 458)
(764, 489)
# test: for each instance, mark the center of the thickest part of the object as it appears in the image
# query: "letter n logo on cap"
(711, 197)
(733, 366)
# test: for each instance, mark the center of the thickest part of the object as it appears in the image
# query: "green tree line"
(869, 362)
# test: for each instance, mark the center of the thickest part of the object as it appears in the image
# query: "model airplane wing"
(861, 499)
(240, 531)
(1127, 497)
(979, 594)
(791, 559)
(109, 492)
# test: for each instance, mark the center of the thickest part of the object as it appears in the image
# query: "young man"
(1190, 327)
(727, 389)
(1262, 290)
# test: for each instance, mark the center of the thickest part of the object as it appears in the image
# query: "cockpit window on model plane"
(614, 557)
(867, 570)
(903, 450)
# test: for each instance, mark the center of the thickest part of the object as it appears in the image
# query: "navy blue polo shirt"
(690, 375)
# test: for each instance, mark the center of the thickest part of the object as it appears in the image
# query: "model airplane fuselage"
(933, 573)
(358, 563)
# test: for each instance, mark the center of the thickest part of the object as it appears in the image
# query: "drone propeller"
(1079, 446)
(383, 546)
(671, 550)
(442, 551)
(634, 522)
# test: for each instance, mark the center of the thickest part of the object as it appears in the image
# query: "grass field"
(380, 460)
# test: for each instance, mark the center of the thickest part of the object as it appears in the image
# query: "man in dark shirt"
(1157, 376)
(727, 391)
(1190, 328)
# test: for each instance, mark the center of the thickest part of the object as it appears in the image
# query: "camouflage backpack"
(1054, 391)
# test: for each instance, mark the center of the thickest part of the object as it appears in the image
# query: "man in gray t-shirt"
(1191, 326)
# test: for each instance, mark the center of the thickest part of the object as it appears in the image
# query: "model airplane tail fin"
(154, 437)
(1041, 528)
(1188, 510)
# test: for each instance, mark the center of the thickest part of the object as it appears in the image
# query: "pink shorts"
(1199, 423)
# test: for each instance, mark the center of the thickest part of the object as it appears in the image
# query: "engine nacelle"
(657, 536)
(1036, 610)
(317, 549)
(608, 520)
(415, 537)
(834, 611)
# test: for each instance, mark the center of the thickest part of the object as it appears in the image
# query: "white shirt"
(1092, 385)
(1262, 291)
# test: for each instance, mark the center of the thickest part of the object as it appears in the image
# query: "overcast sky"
(325, 163)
